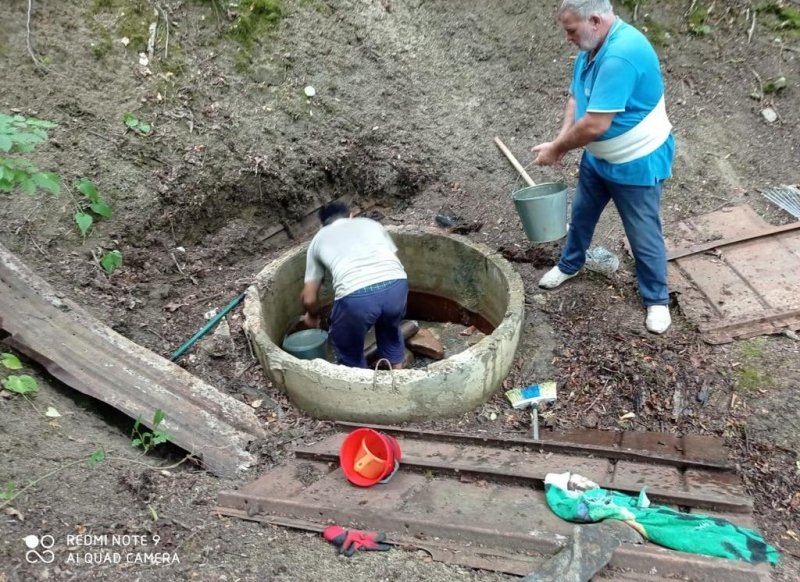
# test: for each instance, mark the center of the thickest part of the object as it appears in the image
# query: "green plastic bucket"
(542, 210)
(307, 344)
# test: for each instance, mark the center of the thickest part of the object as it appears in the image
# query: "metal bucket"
(307, 344)
(542, 210)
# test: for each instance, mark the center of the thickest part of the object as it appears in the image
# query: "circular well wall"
(452, 267)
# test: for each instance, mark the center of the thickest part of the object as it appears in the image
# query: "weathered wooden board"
(739, 289)
(471, 502)
(95, 360)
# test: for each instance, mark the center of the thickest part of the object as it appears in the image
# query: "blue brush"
(533, 396)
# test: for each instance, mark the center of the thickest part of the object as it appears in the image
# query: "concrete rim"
(449, 387)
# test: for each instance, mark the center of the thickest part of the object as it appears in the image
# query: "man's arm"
(569, 116)
(575, 135)
(309, 297)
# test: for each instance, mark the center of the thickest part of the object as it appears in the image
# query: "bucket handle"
(375, 374)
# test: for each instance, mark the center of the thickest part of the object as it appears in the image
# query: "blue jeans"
(382, 305)
(638, 206)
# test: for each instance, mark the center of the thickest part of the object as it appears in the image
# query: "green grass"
(132, 20)
(753, 349)
(751, 375)
(787, 16)
(256, 19)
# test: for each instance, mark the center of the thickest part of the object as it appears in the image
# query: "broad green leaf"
(5, 143)
(96, 457)
(34, 122)
(9, 491)
(84, 222)
(144, 127)
(111, 261)
(87, 188)
(47, 180)
(25, 142)
(28, 186)
(100, 207)
(22, 384)
(158, 417)
(130, 120)
(161, 438)
(11, 361)
(136, 442)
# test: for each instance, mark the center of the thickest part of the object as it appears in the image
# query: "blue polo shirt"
(625, 78)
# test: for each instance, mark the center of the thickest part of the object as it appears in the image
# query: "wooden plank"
(677, 254)
(497, 464)
(605, 445)
(747, 289)
(723, 288)
(769, 268)
(508, 528)
(94, 359)
(730, 222)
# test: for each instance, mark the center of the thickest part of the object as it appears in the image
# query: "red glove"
(350, 541)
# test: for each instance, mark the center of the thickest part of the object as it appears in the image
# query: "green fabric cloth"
(576, 499)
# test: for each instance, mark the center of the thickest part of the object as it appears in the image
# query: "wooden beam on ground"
(92, 358)
(715, 244)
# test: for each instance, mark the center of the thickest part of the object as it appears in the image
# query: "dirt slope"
(408, 98)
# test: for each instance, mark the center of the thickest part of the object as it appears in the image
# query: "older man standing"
(616, 112)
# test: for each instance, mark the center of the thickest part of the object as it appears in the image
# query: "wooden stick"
(514, 161)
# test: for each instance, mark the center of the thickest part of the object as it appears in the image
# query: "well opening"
(451, 279)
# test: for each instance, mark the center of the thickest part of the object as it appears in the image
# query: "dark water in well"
(456, 327)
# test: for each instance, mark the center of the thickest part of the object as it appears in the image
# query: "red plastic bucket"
(368, 457)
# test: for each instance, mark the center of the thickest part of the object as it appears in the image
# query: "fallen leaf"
(52, 412)
(627, 416)
(792, 534)
(256, 403)
(13, 512)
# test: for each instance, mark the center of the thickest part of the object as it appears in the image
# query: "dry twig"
(752, 28)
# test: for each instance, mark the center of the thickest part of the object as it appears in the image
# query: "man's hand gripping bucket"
(542, 208)
(368, 457)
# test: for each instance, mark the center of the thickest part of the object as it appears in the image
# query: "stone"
(425, 343)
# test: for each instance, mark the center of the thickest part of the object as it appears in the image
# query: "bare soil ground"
(409, 96)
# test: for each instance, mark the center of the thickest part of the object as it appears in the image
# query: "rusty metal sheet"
(741, 289)
(92, 358)
(479, 523)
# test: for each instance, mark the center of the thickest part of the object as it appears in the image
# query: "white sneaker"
(658, 319)
(553, 278)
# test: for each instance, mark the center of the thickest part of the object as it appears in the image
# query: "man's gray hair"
(583, 9)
